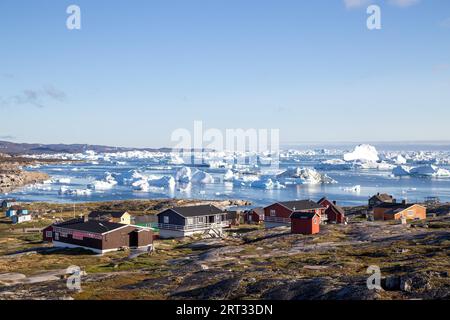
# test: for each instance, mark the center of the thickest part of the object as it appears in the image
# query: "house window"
(166, 219)
(56, 236)
(273, 213)
(190, 221)
(49, 234)
(410, 213)
(315, 220)
(201, 219)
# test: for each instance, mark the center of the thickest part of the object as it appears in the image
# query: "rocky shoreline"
(13, 176)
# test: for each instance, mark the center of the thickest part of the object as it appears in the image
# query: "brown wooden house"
(334, 213)
(279, 213)
(380, 198)
(98, 236)
(397, 211)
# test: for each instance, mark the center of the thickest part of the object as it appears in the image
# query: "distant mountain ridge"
(13, 148)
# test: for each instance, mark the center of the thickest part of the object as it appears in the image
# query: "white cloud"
(403, 3)
(350, 4)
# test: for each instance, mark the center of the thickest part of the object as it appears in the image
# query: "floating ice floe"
(334, 164)
(74, 192)
(401, 171)
(184, 175)
(267, 184)
(400, 160)
(106, 184)
(63, 180)
(381, 166)
(356, 189)
(163, 182)
(363, 152)
(421, 171)
(304, 176)
(202, 177)
(230, 176)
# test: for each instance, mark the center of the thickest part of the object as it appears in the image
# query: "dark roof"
(90, 226)
(148, 218)
(394, 205)
(303, 215)
(383, 197)
(301, 205)
(194, 211)
(114, 214)
(259, 211)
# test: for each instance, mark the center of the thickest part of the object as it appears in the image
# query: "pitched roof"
(90, 226)
(259, 211)
(148, 218)
(389, 205)
(301, 205)
(383, 197)
(303, 215)
(195, 211)
(113, 214)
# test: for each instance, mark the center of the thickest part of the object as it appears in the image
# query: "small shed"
(305, 223)
(254, 216)
(20, 218)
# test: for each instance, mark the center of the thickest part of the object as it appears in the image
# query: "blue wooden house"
(8, 203)
(16, 210)
(181, 222)
(19, 218)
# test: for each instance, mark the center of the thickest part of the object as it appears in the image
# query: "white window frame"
(166, 219)
(273, 213)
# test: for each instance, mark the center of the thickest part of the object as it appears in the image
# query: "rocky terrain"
(249, 263)
(12, 174)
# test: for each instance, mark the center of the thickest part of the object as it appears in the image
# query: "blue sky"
(139, 69)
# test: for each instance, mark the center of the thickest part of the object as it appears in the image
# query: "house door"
(134, 239)
(211, 219)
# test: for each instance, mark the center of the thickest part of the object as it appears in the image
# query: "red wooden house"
(305, 223)
(254, 216)
(279, 213)
(333, 212)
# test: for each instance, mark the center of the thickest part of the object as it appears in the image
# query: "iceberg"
(184, 175)
(106, 184)
(164, 182)
(363, 152)
(266, 184)
(74, 192)
(304, 176)
(229, 176)
(430, 171)
(401, 171)
(400, 160)
(334, 164)
(356, 189)
(202, 177)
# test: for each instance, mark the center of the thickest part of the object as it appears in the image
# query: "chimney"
(378, 194)
(394, 200)
(404, 201)
(334, 202)
(85, 218)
